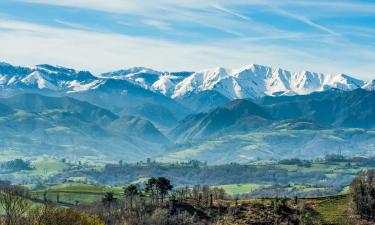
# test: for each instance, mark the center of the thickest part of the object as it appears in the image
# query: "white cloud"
(29, 44)
(118, 6)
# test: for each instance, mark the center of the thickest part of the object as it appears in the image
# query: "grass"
(238, 189)
(70, 192)
(332, 210)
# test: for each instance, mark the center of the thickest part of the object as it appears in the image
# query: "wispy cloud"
(231, 12)
(72, 25)
(303, 19)
(352, 7)
(158, 24)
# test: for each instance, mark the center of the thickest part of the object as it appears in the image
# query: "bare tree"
(131, 191)
(363, 194)
(14, 200)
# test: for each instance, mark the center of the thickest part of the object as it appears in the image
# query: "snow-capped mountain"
(254, 81)
(250, 81)
(45, 78)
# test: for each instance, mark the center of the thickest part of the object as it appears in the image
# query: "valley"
(76, 140)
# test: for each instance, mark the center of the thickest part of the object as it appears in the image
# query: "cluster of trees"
(16, 165)
(157, 190)
(155, 202)
(363, 194)
(296, 161)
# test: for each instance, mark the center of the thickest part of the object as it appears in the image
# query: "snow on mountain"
(250, 81)
(37, 79)
(166, 84)
(160, 82)
(141, 76)
(45, 77)
(254, 81)
(370, 86)
(76, 86)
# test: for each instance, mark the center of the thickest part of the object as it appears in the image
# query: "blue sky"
(103, 35)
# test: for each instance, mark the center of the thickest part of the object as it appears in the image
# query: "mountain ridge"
(250, 81)
(138, 91)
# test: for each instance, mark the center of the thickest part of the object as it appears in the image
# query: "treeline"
(115, 174)
(195, 172)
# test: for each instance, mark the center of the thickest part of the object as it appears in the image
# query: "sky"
(175, 35)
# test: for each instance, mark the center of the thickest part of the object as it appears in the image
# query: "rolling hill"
(32, 125)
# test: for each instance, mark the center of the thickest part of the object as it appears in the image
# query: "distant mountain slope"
(203, 101)
(337, 108)
(353, 109)
(37, 103)
(275, 144)
(234, 113)
(138, 127)
(5, 110)
(158, 114)
(121, 96)
(32, 125)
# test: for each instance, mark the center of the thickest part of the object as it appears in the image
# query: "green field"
(332, 210)
(238, 189)
(72, 192)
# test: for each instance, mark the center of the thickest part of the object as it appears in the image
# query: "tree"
(108, 199)
(14, 201)
(163, 186)
(363, 194)
(131, 191)
(151, 187)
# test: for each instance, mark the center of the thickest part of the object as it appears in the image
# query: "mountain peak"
(54, 69)
(5, 64)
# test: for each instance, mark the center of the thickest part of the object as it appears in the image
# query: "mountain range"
(217, 115)
(171, 90)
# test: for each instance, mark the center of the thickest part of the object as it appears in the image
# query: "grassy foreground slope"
(331, 210)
